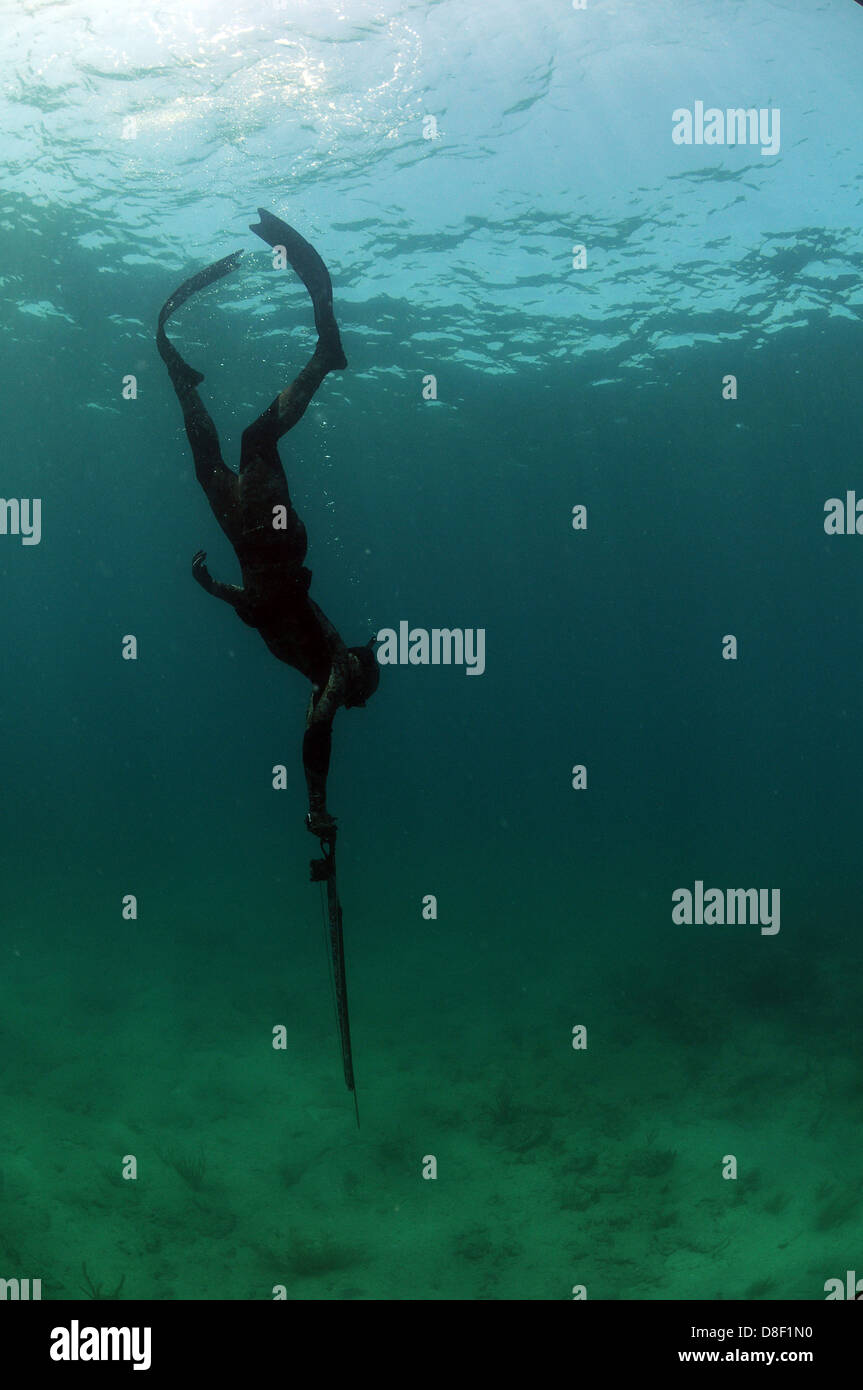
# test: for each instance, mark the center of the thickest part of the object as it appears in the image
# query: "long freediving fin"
(169, 354)
(314, 275)
(200, 281)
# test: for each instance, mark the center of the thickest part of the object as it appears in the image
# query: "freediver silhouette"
(270, 544)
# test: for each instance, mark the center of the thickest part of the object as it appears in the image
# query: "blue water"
(137, 144)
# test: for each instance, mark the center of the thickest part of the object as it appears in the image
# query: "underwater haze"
(601, 898)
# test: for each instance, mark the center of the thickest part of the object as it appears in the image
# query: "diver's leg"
(262, 482)
(217, 480)
(260, 439)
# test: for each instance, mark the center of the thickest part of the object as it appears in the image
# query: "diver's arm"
(318, 742)
(323, 709)
(338, 652)
(317, 745)
(230, 593)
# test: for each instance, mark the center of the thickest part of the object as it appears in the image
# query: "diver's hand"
(200, 571)
(322, 824)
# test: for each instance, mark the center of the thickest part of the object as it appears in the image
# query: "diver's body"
(253, 508)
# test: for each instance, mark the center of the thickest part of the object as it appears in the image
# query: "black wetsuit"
(270, 543)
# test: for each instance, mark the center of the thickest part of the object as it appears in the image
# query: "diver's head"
(365, 673)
